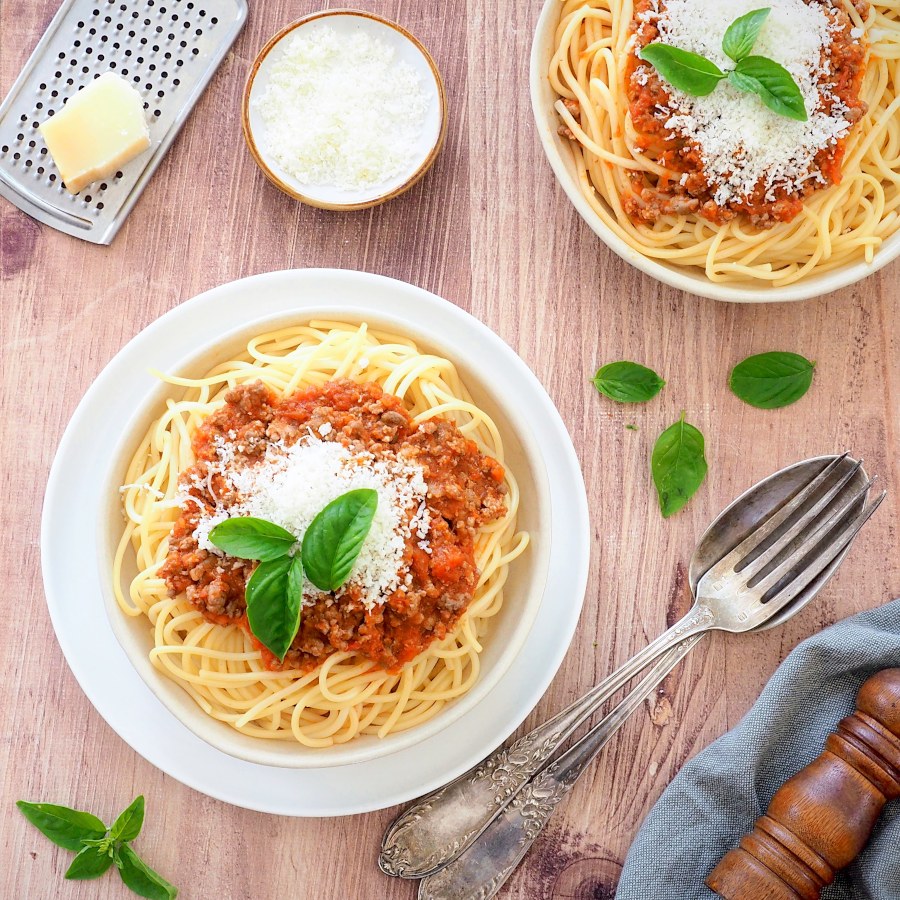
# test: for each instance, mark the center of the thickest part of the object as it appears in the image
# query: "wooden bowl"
(409, 49)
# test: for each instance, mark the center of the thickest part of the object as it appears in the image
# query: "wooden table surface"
(489, 229)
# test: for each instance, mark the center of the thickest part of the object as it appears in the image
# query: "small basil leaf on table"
(772, 380)
(141, 878)
(250, 538)
(742, 33)
(274, 595)
(689, 72)
(678, 465)
(628, 382)
(129, 822)
(65, 827)
(91, 862)
(336, 535)
(772, 83)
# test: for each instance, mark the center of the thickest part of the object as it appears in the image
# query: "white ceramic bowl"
(75, 523)
(559, 153)
(519, 427)
(408, 49)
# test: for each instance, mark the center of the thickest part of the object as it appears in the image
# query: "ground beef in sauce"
(687, 190)
(465, 491)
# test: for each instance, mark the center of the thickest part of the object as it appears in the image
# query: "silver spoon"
(438, 827)
(768, 568)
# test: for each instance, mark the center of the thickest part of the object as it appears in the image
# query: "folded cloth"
(716, 798)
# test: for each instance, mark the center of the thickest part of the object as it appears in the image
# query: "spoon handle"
(438, 827)
(484, 868)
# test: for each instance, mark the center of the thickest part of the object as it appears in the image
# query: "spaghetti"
(592, 70)
(317, 702)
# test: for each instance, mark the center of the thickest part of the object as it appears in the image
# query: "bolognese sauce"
(465, 490)
(685, 184)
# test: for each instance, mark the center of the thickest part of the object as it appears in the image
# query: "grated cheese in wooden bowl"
(342, 109)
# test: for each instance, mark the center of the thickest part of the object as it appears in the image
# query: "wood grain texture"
(489, 229)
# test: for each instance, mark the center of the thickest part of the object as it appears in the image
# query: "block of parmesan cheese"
(99, 130)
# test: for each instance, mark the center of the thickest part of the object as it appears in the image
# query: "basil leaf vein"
(274, 595)
(129, 822)
(333, 540)
(628, 382)
(91, 862)
(64, 826)
(772, 380)
(678, 465)
(689, 72)
(742, 33)
(772, 83)
(250, 538)
(138, 876)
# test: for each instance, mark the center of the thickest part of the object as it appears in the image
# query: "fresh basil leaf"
(772, 83)
(678, 465)
(743, 32)
(65, 827)
(250, 538)
(628, 382)
(334, 538)
(91, 862)
(274, 595)
(772, 380)
(742, 82)
(128, 825)
(141, 878)
(687, 71)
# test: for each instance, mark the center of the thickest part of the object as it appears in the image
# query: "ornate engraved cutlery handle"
(438, 827)
(483, 869)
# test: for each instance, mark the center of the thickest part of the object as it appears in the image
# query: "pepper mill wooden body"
(820, 819)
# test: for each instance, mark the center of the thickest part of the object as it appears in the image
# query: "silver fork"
(764, 584)
(748, 586)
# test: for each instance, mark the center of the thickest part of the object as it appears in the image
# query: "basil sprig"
(696, 75)
(690, 72)
(250, 538)
(330, 548)
(98, 848)
(333, 540)
(678, 465)
(274, 596)
(741, 34)
(772, 380)
(772, 83)
(628, 382)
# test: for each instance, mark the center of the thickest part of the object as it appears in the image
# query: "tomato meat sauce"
(684, 187)
(465, 492)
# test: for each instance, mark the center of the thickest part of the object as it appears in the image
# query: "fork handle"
(484, 868)
(438, 827)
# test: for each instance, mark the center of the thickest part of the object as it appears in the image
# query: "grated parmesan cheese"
(742, 142)
(342, 110)
(294, 483)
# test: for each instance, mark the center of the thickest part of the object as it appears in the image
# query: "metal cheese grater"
(168, 49)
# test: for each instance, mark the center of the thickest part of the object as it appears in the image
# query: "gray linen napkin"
(719, 794)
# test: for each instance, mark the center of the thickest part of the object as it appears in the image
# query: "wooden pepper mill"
(820, 819)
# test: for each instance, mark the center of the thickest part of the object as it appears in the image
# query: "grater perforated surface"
(167, 49)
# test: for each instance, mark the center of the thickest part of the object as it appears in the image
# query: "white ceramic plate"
(559, 154)
(74, 576)
(407, 49)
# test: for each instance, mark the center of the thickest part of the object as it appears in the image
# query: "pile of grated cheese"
(342, 110)
(292, 484)
(742, 142)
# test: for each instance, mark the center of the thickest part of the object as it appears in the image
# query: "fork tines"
(795, 544)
